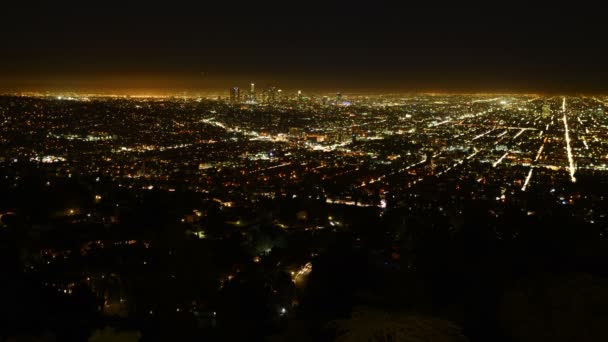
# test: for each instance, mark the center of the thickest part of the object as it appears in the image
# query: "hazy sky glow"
(374, 48)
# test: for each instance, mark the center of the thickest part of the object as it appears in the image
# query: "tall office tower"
(252, 92)
(338, 97)
(299, 95)
(235, 95)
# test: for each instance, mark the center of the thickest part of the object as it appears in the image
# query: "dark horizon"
(331, 47)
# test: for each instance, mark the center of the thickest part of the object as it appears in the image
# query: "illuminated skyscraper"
(235, 95)
(252, 92)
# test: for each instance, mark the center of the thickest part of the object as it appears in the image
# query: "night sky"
(371, 46)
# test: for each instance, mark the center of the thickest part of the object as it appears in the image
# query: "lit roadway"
(568, 149)
(500, 159)
(527, 179)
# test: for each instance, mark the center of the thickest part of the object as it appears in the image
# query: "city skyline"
(301, 171)
(242, 88)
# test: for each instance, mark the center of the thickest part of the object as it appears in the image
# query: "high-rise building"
(235, 95)
(251, 97)
(252, 92)
(299, 95)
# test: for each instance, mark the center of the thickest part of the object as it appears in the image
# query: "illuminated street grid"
(366, 151)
